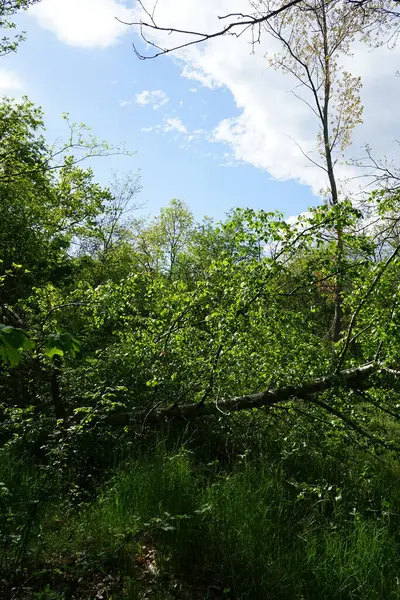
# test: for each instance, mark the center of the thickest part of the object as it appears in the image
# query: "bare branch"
(308, 157)
(244, 22)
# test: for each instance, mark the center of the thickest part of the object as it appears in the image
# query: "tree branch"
(363, 302)
(244, 22)
(350, 378)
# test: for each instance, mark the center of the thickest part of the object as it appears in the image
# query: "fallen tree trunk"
(350, 378)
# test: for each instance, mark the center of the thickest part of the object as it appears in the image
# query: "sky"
(214, 126)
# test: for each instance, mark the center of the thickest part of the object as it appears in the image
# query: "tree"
(48, 203)
(161, 244)
(247, 323)
(42, 216)
(25, 151)
(9, 8)
(106, 246)
(313, 36)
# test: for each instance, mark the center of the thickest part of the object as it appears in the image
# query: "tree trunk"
(351, 378)
(337, 319)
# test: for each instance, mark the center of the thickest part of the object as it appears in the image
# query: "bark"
(351, 378)
(337, 319)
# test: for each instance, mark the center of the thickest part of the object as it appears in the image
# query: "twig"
(247, 22)
(362, 304)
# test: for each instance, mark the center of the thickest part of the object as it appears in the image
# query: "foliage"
(12, 341)
(106, 319)
(8, 8)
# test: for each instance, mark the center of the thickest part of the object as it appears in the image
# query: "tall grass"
(248, 533)
(300, 527)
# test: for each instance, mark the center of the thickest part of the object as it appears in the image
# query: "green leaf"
(13, 341)
(54, 351)
(59, 344)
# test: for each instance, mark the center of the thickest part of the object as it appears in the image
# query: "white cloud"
(174, 124)
(169, 124)
(124, 103)
(9, 82)
(156, 98)
(83, 23)
(206, 79)
(271, 123)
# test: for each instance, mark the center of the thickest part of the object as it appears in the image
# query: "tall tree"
(314, 36)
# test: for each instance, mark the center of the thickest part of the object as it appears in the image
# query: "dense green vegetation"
(113, 324)
(197, 409)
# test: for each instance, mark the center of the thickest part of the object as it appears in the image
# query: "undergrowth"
(167, 522)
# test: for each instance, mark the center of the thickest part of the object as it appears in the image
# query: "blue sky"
(90, 84)
(215, 128)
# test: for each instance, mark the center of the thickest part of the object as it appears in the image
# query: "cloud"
(83, 23)
(9, 82)
(174, 124)
(169, 124)
(273, 129)
(156, 98)
(124, 103)
(206, 79)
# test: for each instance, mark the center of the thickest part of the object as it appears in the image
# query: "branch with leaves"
(356, 378)
(8, 9)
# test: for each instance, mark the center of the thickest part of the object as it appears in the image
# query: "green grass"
(248, 532)
(245, 532)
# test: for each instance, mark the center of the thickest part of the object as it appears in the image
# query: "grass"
(247, 531)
